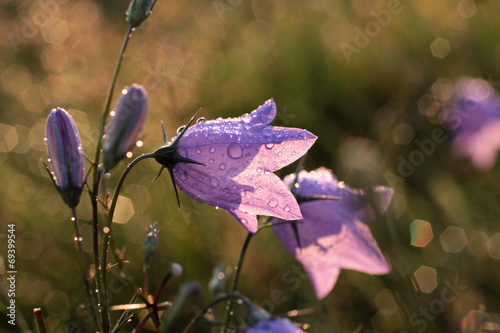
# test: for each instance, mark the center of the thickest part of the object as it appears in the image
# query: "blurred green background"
(367, 77)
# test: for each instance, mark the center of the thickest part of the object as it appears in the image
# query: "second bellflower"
(236, 158)
(333, 234)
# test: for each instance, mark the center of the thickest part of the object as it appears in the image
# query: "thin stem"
(212, 303)
(234, 285)
(124, 317)
(40, 320)
(86, 279)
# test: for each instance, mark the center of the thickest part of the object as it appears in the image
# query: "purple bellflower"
(229, 164)
(125, 125)
(473, 116)
(282, 325)
(333, 234)
(65, 151)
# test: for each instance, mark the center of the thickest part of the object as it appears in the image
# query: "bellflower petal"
(239, 157)
(125, 125)
(282, 325)
(473, 116)
(65, 151)
(334, 234)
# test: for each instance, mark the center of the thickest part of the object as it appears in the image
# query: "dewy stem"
(112, 211)
(229, 307)
(100, 286)
(78, 239)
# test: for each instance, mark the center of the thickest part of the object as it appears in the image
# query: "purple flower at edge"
(239, 156)
(473, 116)
(65, 151)
(282, 325)
(125, 125)
(333, 234)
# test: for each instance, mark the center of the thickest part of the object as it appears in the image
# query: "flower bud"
(185, 304)
(125, 125)
(65, 151)
(138, 11)
(151, 242)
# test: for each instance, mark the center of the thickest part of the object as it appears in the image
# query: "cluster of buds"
(64, 145)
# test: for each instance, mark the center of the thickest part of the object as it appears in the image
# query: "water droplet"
(105, 230)
(267, 172)
(211, 161)
(211, 137)
(232, 172)
(267, 130)
(286, 208)
(211, 150)
(180, 129)
(341, 184)
(75, 239)
(201, 120)
(198, 150)
(112, 113)
(244, 221)
(235, 151)
(107, 175)
(222, 166)
(269, 145)
(139, 143)
(49, 160)
(273, 203)
(243, 193)
(259, 169)
(183, 176)
(45, 139)
(73, 219)
(214, 182)
(246, 118)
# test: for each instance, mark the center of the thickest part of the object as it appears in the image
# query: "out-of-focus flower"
(218, 280)
(282, 325)
(125, 125)
(151, 241)
(239, 156)
(139, 11)
(65, 152)
(473, 116)
(333, 234)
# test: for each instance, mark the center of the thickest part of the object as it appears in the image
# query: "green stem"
(86, 279)
(234, 285)
(212, 303)
(100, 286)
(111, 212)
(40, 320)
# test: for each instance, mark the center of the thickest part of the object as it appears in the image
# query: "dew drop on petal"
(183, 176)
(286, 208)
(266, 172)
(269, 145)
(201, 120)
(222, 166)
(267, 131)
(259, 169)
(214, 182)
(211, 161)
(198, 150)
(180, 129)
(246, 118)
(232, 172)
(211, 150)
(235, 151)
(211, 137)
(273, 203)
(244, 221)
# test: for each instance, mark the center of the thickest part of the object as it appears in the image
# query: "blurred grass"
(190, 54)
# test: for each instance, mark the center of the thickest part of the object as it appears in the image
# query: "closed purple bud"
(283, 325)
(65, 152)
(125, 125)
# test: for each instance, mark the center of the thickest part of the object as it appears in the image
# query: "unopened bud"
(65, 151)
(125, 125)
(151, 242)
(138, 11)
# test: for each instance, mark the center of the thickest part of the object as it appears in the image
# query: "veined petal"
(239, 156)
